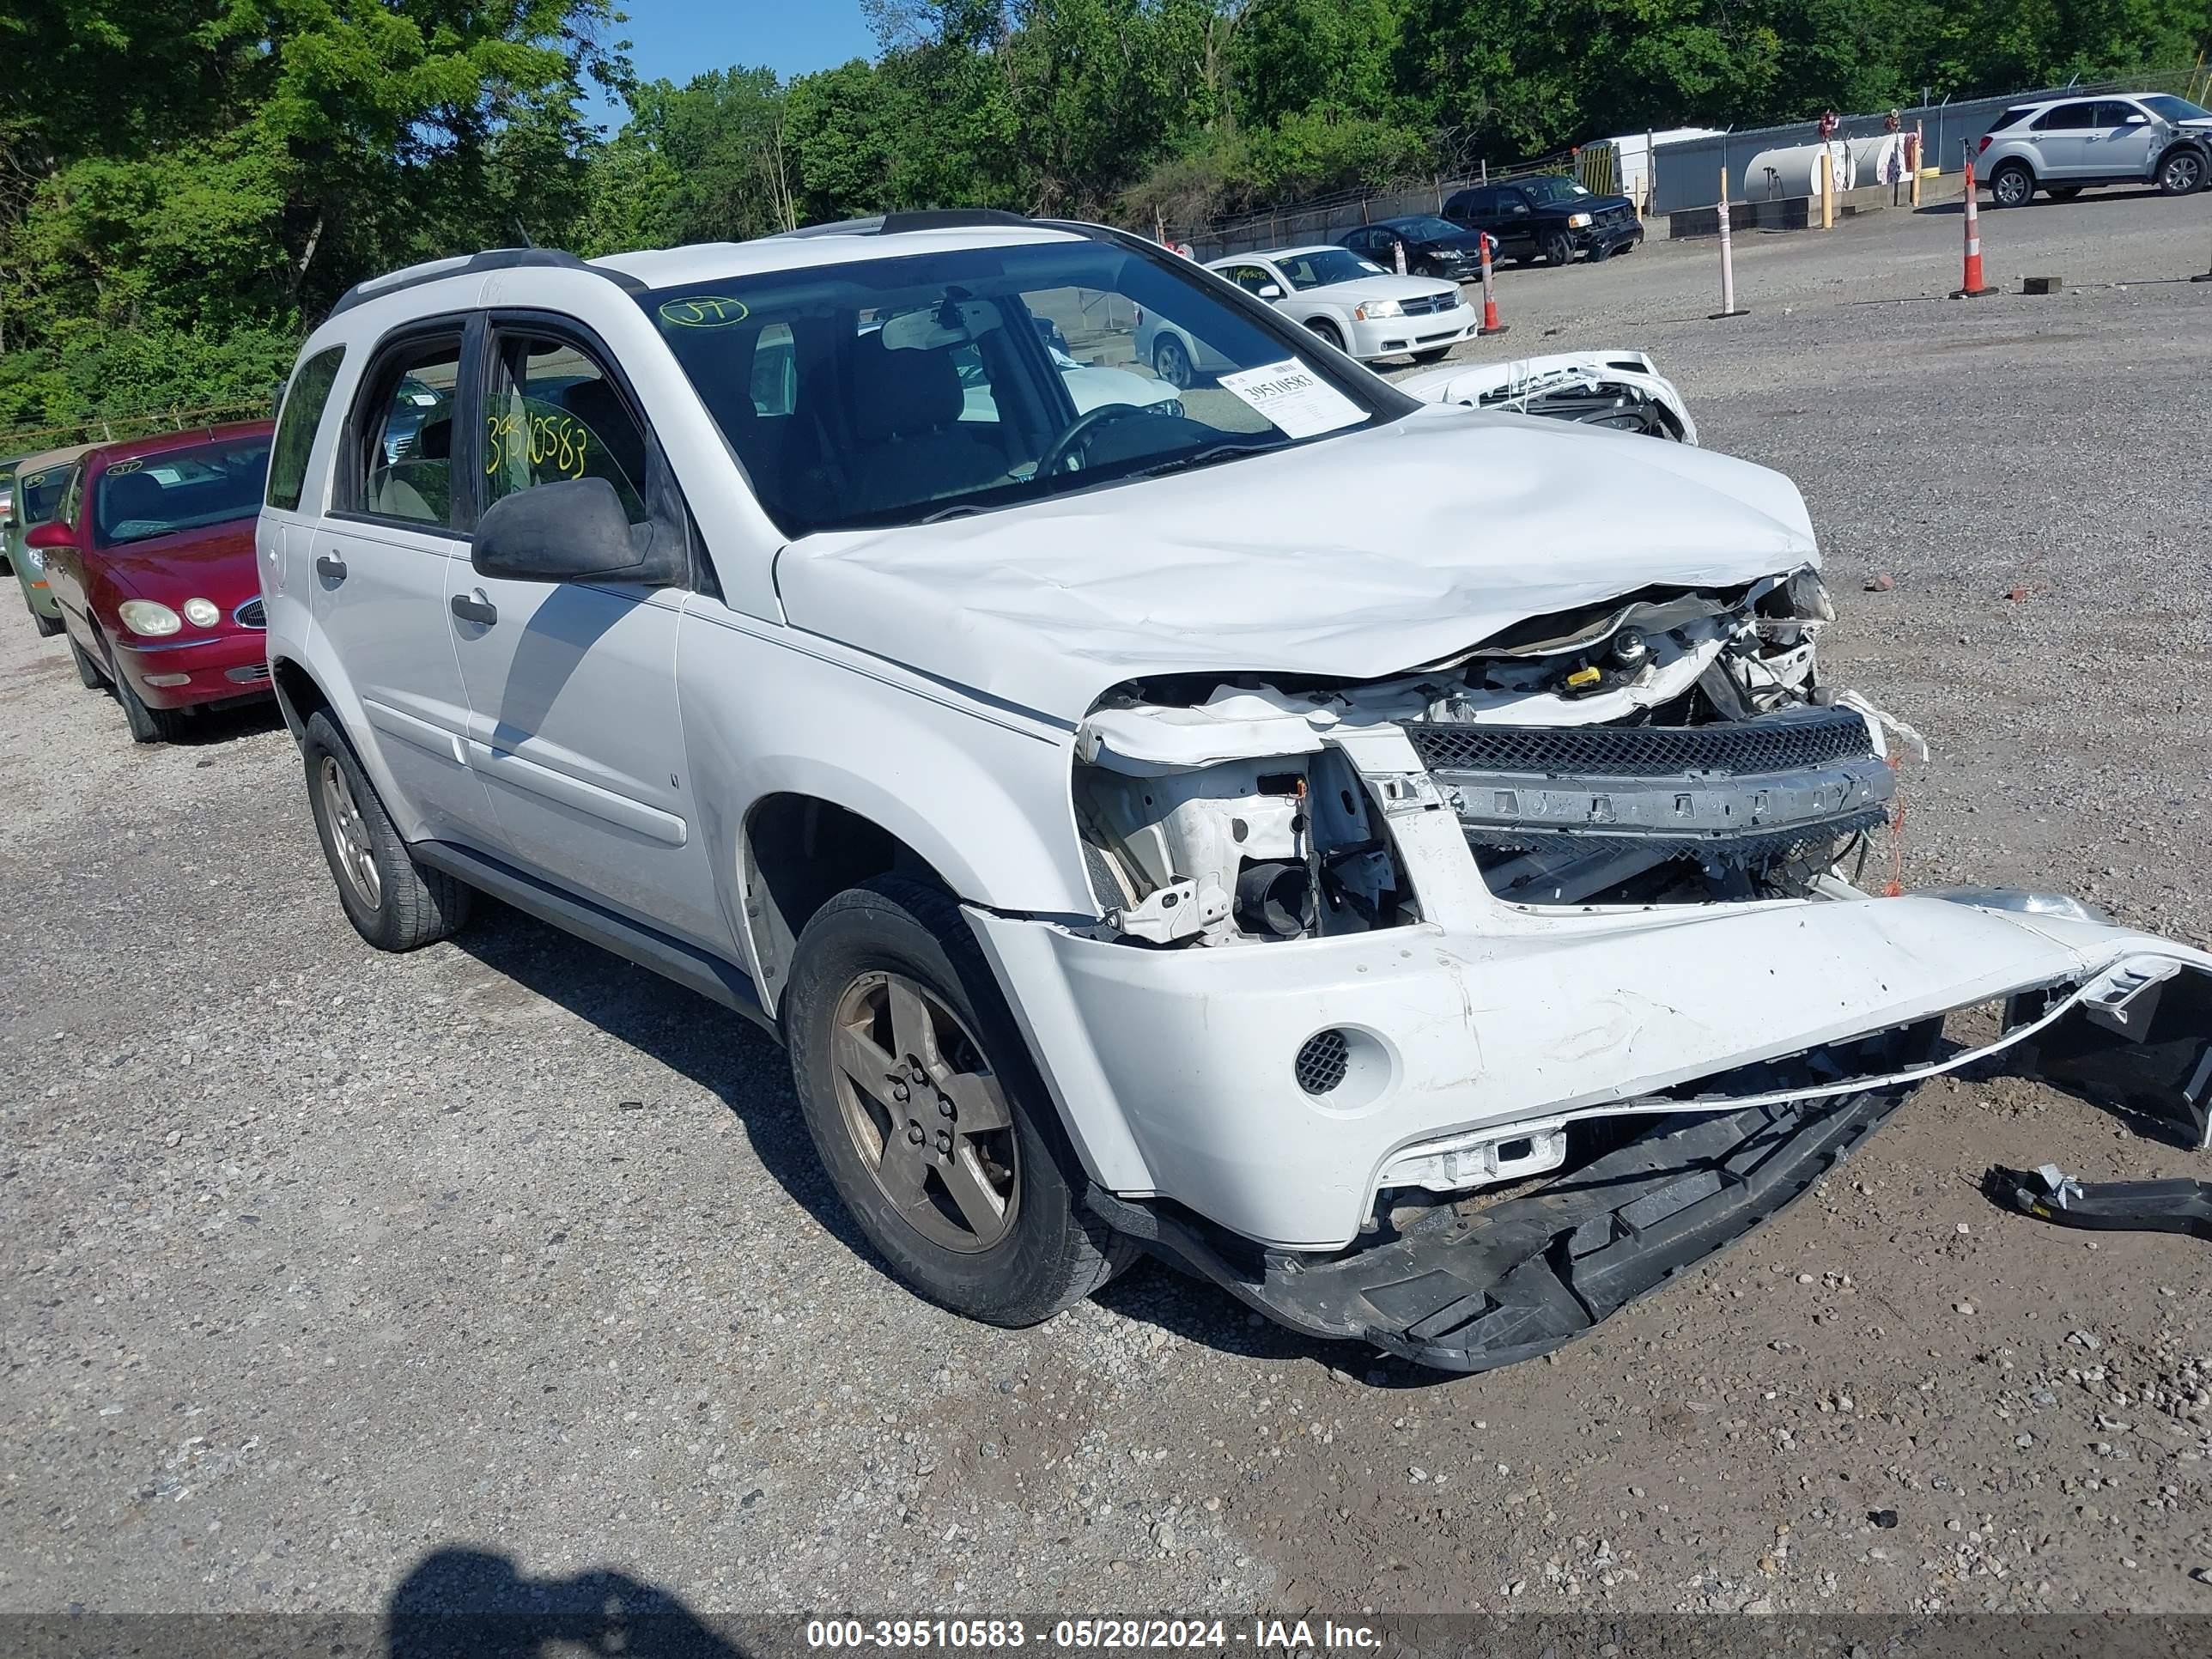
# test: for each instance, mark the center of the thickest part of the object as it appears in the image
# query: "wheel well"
(800, 852)
(297, 695)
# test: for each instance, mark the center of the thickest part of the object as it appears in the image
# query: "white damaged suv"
(1394, 858)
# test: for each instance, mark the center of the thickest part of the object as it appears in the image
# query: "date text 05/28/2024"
(1108, 1634)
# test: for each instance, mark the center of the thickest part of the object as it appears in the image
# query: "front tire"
(88, 671)
(393, 903)
(147, 725)
(1171, 362)
(2182, 172)
(1325, 330)
(2012, 185)
(47, 626)
(928, 1114)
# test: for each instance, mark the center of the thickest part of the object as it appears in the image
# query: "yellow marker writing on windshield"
(703, 311)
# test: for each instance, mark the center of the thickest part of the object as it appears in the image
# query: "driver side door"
(572, 721)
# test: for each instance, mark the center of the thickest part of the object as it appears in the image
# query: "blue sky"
(676, 40)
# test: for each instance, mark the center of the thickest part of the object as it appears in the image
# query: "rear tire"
(2012, 185)
(393, 903)
(1558, 248)
(987, 1220)
(147, 725)
(2181, 172)
(88, 671)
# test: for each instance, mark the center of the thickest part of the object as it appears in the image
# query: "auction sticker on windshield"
(1298, 401)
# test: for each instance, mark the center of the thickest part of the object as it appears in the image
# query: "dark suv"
(1549, 218)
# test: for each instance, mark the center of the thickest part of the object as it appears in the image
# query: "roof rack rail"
(496, 259)
(906, 219)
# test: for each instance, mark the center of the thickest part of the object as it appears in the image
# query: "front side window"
(409, 419)
(295, 429)
(2118, 115)
(552, 414)
(145, 497)
(928, 384)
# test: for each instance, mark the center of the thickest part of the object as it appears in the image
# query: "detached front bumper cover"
(1536, 1271)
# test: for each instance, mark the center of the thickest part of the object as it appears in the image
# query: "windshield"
(1427, 229)
(1324, 266)
(1550, 187)
(153, 496)
(38, 494)
(2174, 109)
(899, 391)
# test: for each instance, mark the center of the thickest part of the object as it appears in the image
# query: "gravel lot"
(317, 1261)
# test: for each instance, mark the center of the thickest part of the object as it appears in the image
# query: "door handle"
(330, 568)
(483, 612)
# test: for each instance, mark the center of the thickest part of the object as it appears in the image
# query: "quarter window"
(553, 413)
(408, 470)
(295, 431)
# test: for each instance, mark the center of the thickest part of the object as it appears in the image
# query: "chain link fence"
(116, 426)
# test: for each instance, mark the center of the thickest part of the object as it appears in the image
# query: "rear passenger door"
(572, 720)
(375, 575)
(2060, 137)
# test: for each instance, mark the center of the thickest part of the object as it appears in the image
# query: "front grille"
(250, 615)
(1427, 305)
(1612, 215)
(1322, 1060)
(1779, 743)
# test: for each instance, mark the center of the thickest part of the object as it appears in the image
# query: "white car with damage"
(1252, 830)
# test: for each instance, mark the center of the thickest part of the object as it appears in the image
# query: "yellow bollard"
(1827, 190)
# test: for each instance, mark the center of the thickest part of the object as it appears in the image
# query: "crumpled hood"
(1352, 558)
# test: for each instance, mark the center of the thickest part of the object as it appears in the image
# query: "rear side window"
(407, 417)
(296, 430)
(2012, 117)
(2067, 117)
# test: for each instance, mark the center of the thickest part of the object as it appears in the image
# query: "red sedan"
(152, 563)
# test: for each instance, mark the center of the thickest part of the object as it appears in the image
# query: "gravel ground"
(317, 1261)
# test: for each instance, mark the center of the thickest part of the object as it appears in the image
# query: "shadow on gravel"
(251, 720)
(1957, 204)
(721, 1052)
(473, 1604)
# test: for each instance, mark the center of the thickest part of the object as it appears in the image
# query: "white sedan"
(1353, 303)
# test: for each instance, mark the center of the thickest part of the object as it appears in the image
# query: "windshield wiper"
(1198, 457)
(960, 511)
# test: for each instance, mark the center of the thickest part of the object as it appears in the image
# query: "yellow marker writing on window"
(703, 311)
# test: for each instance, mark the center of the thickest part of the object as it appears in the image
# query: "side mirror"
(51, 534)
(1269, 291)
(573, 529)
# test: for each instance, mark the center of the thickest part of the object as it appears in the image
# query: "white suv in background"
(1246, 825)
(2062, 146)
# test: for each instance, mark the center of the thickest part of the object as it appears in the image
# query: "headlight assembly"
(1578, 221)
(33, 557)
(201, 613)
(1375, 310)
(148, 618)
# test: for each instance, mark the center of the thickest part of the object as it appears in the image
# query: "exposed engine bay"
(1664, 747)
(1620, 390)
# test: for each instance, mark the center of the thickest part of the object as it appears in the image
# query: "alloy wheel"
(1172, 363)
(2183, 172)
(926, 1114)
(2011, 187)
(356, 854)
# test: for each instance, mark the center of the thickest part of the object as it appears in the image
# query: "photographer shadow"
(474, 1604)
